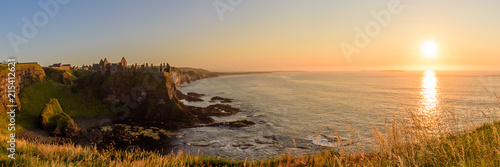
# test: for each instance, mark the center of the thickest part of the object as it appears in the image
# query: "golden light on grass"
(429, 49)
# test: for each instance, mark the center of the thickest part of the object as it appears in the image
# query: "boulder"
(213, 110)
(196, 95)
(221, 99)
(234, 124)
(190, 97)
(54, 120)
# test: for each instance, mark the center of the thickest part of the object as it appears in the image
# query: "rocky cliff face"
(136, 95)
(141, 96)
(180, 78)
(184, 76)
(26, 74)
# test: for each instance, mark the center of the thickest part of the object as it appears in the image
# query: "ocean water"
(301, 112)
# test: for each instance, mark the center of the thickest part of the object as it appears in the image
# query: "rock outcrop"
(143, 97)
(26, 74)
(190, 97)
(53, 119)
(214, 110)
(234, 124)
(221, 99)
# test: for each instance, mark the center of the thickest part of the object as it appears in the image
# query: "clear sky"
(257, 34)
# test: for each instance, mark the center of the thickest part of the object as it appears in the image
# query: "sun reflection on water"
(429, 93)
(428, 116)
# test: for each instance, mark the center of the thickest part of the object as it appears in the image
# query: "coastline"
(121, 142)
(120, 138)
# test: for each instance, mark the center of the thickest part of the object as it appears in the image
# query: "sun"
(429, 49)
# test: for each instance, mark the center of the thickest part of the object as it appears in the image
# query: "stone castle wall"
(121, 67)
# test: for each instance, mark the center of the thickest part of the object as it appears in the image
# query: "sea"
(307, 112)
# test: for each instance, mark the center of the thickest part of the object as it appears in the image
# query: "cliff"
(184, 75)
(140, 96)
(26, 74)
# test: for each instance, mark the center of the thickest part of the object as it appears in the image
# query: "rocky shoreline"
(169, 120)
(143, 120)
(133, 135)
(204, 114)
(130, 134)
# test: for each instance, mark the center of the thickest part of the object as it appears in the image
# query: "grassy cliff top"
(195, 71)
(200, 70)
(4, 67)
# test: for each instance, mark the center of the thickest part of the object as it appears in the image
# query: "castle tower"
(106, 61)
(124, 62)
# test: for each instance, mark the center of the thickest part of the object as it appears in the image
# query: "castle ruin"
(121, 67)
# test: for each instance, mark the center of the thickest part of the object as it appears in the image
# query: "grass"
(4, 68)
(195, 71)
(83, 103)
(479, 147)
(4, 121)
(75, 74)
(57, 74)
(53, 116)
(399, 143)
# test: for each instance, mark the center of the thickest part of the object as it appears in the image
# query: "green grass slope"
(82, 103)
(58, 74)
(53, 117)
